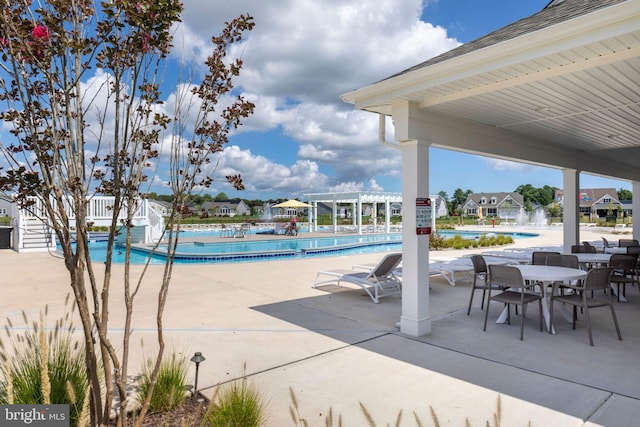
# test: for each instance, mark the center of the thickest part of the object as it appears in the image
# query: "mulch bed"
(190, 414)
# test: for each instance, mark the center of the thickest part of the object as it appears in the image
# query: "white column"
(354, 215)
(359, 208)
(335, 216)
(313, 222)
(415, 320)
(374, 214)
(387, 216)
(635, 209)
(570, 208)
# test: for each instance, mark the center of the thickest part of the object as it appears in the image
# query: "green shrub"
(169, 391)
(239, 404)
(58, 378)
(436, 241)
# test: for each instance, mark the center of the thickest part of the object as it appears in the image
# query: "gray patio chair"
(480, 279)
(562, 260)
(597, 279)
(540, 257)
(583, 249)
(519, 293)
(624, 271)
(589, 247)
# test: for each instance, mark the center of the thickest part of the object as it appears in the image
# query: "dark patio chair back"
(554, 259)
(633, 249)
(623, 243)
(540, 257)
(623, 262)
(583, 249)
(605, 242)
(479, 264)
(506, 276)
(590, 247)
(597, 279)
(569, 261)
(480, 272)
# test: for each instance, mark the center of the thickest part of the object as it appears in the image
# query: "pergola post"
(635, 208)
(335, 216)
(354, 216)
(415, 320)
(374, 215)
(359, 208)
(570, 208)
(313, 223)
(387, 216)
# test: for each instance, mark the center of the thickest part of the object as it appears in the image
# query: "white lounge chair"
(619, 228)
(379, 282)
(451, 270)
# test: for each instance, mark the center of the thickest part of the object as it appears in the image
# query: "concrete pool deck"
(337, 349)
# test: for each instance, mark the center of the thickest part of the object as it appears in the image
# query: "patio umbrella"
(292, 204)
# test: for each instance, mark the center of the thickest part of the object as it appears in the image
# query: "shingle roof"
(554, 13)
(591, 196)
(477, 197)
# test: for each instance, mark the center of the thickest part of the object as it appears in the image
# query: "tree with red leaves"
(72, 140)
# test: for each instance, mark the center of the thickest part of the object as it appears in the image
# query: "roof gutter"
(382, 126)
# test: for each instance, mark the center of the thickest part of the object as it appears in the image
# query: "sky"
(303, 54)
(298, 60)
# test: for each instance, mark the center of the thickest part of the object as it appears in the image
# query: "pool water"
(254, 249)
(298, 245)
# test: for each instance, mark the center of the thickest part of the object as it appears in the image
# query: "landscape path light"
(197, 359)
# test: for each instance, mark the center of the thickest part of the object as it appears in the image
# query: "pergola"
(356, 199)
(559, 89)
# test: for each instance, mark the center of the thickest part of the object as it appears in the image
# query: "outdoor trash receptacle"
(5, 237)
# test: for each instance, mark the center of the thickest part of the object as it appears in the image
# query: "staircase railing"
(99, 213)
(156, 224)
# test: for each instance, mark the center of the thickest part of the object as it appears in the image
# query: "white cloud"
(262, 175)
(506, 165)
(301, 55)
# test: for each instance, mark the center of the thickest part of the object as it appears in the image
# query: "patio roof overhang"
(563, 92)
(354, 197)
(560, 89)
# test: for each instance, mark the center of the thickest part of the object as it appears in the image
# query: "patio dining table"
(591, 258)
(546, 274)
(616, 250)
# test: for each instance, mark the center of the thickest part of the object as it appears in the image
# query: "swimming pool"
(255, 249)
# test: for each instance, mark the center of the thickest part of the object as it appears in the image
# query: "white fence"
(99, 210)
(33, 222)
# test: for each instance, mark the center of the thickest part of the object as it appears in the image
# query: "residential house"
(160, 206)
(504, 206)
(596, 203)
(626, 207)
(5, 206)
(440, 209)
(226, 208)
